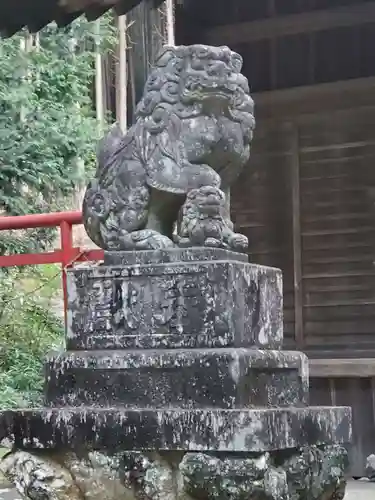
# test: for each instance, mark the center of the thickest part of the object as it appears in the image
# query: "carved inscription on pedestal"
(158, 305)
(175, 305)
(127, 303)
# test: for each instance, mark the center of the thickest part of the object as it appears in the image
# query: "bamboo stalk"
(121, 75)
(26, 44)
(37, 41)
(98, 79)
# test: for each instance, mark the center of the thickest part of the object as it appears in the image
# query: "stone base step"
(224, 378)
(257, 430)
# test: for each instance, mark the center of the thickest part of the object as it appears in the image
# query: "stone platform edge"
(171, 255)
(252, 430)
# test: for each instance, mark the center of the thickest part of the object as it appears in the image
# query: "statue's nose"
(218, 68)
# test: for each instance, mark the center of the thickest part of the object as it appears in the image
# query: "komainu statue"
(166, 182)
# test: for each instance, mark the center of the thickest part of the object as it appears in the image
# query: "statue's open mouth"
(217, 94)
(210, 90)
(218, 90)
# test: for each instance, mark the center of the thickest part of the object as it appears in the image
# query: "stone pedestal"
(174, 386)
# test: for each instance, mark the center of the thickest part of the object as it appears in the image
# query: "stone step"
(215, 378)
(250, 430)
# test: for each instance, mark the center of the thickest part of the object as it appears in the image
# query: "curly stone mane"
(180, 78)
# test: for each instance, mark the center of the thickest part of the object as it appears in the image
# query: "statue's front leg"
(162, 216)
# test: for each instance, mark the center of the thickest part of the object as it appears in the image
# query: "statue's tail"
(108, 149)
(115, 206)
(96, 203)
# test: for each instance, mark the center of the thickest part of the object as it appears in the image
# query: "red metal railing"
(67, 255)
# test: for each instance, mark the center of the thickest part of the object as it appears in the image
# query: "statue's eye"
(177, 65)
(197, 64)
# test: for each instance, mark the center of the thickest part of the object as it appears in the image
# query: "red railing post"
(67, 255)
(66, 238)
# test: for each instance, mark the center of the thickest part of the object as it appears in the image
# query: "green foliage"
(47, 123)
(47, 120)
(28, 330)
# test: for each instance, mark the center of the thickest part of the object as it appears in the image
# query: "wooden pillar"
(170, 22)
(149, 29)
(273, 47)
(297, 243)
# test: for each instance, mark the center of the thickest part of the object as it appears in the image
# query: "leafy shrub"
(47, 119)
(28, 330)
(47, 123)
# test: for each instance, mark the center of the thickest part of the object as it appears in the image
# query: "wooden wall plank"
(356, 393)
(261, 203)
(337, 213)
(303, 102)
(330, 275)
(306, 22)
(297, 250)
(342, 368)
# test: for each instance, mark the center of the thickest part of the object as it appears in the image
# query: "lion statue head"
(196, 109)
(186, 79)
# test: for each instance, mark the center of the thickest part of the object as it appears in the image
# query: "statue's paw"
(161, 242)
(213, 242)
(183, 242)
(148, 239)
(238, 242)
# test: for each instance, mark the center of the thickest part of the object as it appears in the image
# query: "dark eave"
(35, 14)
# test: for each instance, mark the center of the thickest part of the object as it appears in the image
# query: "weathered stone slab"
(313, 473)
(257, 430)
(175, 305)
(370, 468)
(213, 378)
(193, 254)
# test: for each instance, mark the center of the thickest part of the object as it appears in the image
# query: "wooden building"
(307, 198)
